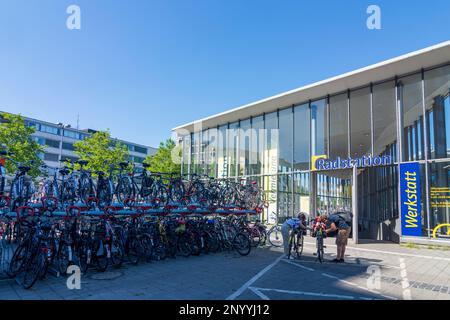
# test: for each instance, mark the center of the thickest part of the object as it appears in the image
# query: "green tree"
(101, 151)
(16, 136)
(166, 158)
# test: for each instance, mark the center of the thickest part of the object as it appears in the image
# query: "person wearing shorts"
(343, 232)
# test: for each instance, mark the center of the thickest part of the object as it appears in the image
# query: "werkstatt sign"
(410, 199)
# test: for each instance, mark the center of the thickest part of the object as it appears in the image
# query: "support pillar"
(355, 205)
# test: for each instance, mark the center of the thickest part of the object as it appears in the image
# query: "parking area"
(371, 271)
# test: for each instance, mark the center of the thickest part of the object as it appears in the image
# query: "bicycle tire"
(17, 260)
(117, 253)
(134, 251)
(300, 242)
(31, 271)
(320, 249)
(242, 244)
(275, 237)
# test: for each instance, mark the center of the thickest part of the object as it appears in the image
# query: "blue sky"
(142, 67)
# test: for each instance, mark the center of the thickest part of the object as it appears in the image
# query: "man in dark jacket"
(343, 231)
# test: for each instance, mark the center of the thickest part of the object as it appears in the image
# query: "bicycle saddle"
(3, 153)
(64, 171)
(123, 164)
(100, 173)
(145, 165)
(24, 168)
(82, 162)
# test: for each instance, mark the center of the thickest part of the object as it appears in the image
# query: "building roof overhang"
(411, 62)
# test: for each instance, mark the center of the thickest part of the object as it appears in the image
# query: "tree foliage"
(16, 136)
(166, 158)
(100, 152)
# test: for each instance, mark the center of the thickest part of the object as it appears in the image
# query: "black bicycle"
(296, 243)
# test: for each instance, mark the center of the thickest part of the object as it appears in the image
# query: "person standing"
(343, 232)
(288, 226)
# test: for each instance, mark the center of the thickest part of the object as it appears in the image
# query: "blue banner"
(410, 199)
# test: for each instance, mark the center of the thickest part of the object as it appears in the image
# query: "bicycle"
(296, 242)
(274, 234)
(320, 235)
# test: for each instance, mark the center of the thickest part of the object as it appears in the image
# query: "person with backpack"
(289, 226)
(341, 224)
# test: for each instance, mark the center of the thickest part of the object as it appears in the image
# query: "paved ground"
(397, 273)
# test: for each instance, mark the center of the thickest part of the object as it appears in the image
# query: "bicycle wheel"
(275, 237)
(147, 247)
(300, 239)
(17, 260)
(62, 259)
(85, 189)
(134, 250)
(31, 271)
(124, 189)
(117, 253)
(263, 236)
(183, 247)
(320, 249)
(292, 244)
(83, 257)
(255, 236)
(242, 244)
(212, 242)
(101, 257)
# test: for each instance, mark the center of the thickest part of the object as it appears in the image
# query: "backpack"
(346, 216)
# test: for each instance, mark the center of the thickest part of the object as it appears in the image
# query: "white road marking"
(405, 281)
(341, 280)
(245, 286)
(307, 293)
(259, 293)
(353, 264)
(388, 252)
(298, 265)
(358, 286)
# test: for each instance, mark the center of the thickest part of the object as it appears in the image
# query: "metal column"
(355, 204)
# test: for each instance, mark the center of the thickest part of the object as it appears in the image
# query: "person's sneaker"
(335, 260)
(341, 260)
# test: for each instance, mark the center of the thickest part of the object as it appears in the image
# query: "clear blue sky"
(142, 67)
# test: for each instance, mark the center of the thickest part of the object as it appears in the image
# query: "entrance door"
(333, 191)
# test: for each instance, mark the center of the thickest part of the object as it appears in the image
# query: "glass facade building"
(405, 116)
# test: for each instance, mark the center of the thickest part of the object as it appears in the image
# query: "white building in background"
(58, 140)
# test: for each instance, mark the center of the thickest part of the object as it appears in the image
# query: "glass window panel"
(270, 191)
(319, 127)
(339, 126)
(285, 140)
(360, 127)
(271, 144)
(284, 197)
(186, 153)
(437, 86)
(212, 152)
(233, 134)
(222, 157)
(384, 119)
(301, 137)
(194, 151)
(257, 145)
(301, 194)
(440, 198)
(203, 152)
(244, 147)
(410, 98)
